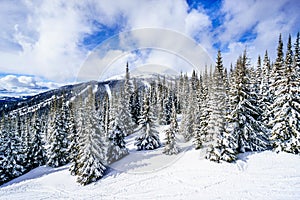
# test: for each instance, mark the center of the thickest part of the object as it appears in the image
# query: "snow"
(154, 175)
(108, 90)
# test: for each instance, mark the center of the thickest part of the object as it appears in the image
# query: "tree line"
(224, 112)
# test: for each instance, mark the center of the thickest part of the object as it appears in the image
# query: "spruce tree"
(57, 142)
(148, 138)
(117, 145)
(161, 103)
(136, 107)
(36, 151)
(126, 117)
(297, 55)
(4, 139)
(244, 121)
(216, 121)
(116, 136)
(286, 106)
(168, 105)
(76, 125)
(188, 117)
(265, 92)
(201, 130)
(92, 145)
(12, 151)
(170, 144)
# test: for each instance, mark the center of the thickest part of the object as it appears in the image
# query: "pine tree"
(105, 114)
(24, 130)
(36, 151)
(286, 106)
(197, 127)
(126, 117)
(4, 138)
(168, 106)
(297, 55)
(148, 138)
(216, 121)
(76, 124)
(244, 121)
(57, 142)
(201, 130)
(277, 75)
(265, 94)
(92, 146)
(117, 148)
(12, 159)
(116, 144)
(161, 103)
(188, 117)
(136, 107)
(170, 144)
(258, 78)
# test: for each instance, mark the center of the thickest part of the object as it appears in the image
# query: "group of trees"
(21, 146)
(247, 109)
(223, 113)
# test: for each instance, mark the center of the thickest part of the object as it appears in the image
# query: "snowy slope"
(153, 175)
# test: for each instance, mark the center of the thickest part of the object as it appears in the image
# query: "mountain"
(8, 104)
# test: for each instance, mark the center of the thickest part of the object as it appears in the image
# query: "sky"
(55, 40)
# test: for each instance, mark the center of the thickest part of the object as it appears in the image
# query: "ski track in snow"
(153, 175)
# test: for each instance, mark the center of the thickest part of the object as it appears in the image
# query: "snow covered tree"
(277, 74)
(223, 149)
(244, 121)
(105, 114)
(216, 121)
(37, 154)
(258, 79)
(75, 125)
(148, 138)
(117, 147)
(12, 151)
(116, 136)
(4, 138)
(168, 105)
(92, 145)
(201, 128)
(57, 142)
(170, 144)
(126, 118)
(265, 100)
(161, 103)
(286, 105)
(297, 55)
(188, 117)
(136, 107)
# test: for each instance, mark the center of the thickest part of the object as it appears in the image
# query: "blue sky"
(52, 39)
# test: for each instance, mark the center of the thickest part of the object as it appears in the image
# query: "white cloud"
(196, 22)
(47, 34)
(267, 19)
(43, 38)
(12, 85)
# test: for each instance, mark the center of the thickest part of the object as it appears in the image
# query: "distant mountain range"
(8, 104)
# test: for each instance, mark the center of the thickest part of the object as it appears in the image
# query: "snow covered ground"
(153, 175)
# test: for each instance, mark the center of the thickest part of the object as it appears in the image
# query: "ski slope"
(153, 175)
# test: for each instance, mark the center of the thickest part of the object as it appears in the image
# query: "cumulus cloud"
(48, 34)
(261, 20)
(46, 38)
(12, 85)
